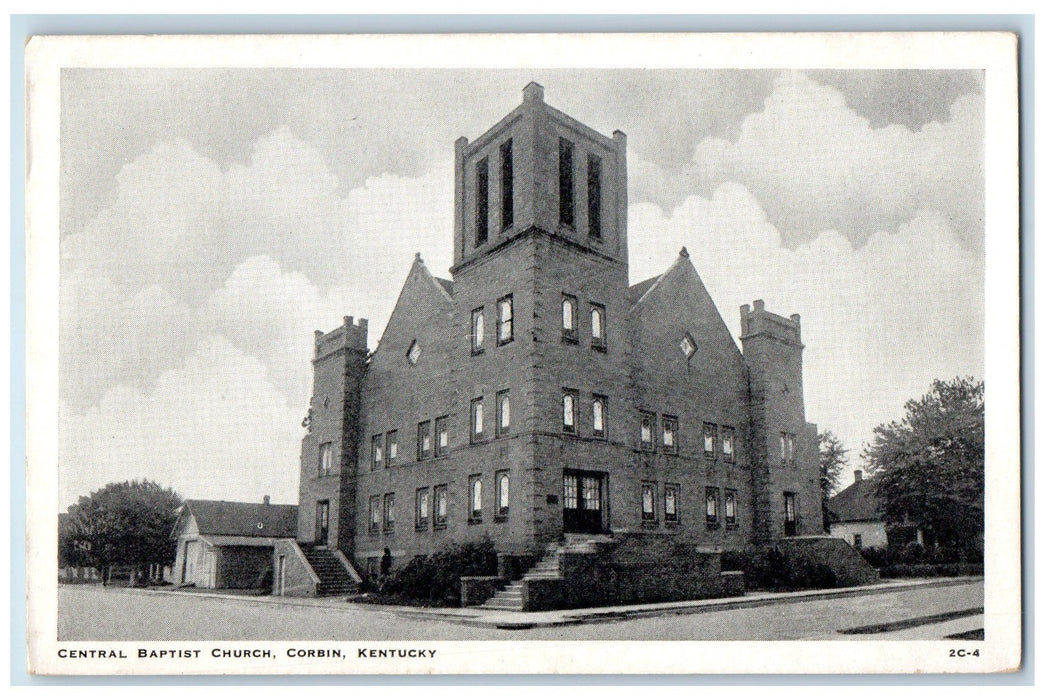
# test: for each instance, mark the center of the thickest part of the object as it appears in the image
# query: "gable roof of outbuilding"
(857, 502)
(239, 519)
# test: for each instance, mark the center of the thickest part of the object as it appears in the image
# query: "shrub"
(435, 579)
(771, 569)
(876, 556)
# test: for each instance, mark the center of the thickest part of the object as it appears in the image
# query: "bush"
(435, 579)
(773, 570)
(931, 570)
(876, 556)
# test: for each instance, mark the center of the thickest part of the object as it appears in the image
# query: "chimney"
(858, 475)
(267, 501)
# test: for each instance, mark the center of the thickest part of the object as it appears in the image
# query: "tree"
(128, 523)
(929, 465)
(833, 458)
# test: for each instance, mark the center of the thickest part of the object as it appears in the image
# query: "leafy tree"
(833, 458)
(929, 465)
(128, 523)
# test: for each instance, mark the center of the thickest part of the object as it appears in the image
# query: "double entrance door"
(583, 501)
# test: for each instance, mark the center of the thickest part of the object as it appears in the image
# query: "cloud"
(879, 321)
(214, 427)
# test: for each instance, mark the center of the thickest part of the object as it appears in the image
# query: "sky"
(212, 219)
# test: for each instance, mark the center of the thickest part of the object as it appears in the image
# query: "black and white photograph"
(455, 354)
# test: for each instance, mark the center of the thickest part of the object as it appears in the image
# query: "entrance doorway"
(582, 501)
(322, 522)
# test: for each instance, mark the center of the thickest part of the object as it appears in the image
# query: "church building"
(538, 393)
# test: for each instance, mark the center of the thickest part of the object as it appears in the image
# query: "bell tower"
(538, 168)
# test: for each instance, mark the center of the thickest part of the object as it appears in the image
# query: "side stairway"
(510, 597)
(334, 579)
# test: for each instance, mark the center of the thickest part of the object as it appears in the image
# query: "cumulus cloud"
(214, 427)
(879, 321)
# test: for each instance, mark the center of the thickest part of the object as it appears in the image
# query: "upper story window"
(569, 318)
(671, 503)
(646, 421)
(482, 201)
(688, 345)
(475, 498)
(504, 412)
(598, 327)
(477, 331)
(670, 434)
(377, 451)
(326, 459)
(729, 443)
(598, 415)
(710, 438)
(505, 330)
(439, 496)
(442, 435)
(569, 411)
(731, 507)
(502, 494)
(413, 353)
(392, 447)
(477, 419)
(507, 186)
(421, 509)
(375, 514)
(787, 448)
(594, 197)
(424, 439)
(565, 183)
(711, 506)
(649, 501)
(390, 507)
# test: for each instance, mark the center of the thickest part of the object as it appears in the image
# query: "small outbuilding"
(226, 544)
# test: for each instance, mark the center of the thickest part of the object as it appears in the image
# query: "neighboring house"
(856, 516)
(540, 393)
(224, 544)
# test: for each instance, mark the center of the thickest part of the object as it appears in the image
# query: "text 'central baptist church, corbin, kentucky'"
(538, 394)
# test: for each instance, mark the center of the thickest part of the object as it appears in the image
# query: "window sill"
(650, 523)
(713, 526)
(477, 351)
(732, 526)
(569, 338)
(598, 347)
(420, 528)
(501, 518)
(505, 342)
(671, 524)
(475, 521)
(672, 452)
(439, 526)
(389, 531)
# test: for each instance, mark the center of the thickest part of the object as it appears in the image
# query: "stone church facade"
(538, 393)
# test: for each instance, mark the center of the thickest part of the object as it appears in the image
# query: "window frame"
(442, 427)
(787, 449)
(651, 444)
(598, 342)
(603, 401)
(500, 429)
(421, 502)
(710, 433)
(410, 357)
(711, 507)
(424, 429)
(475, 516)
(574, 396)
(507, 186)
(502, 322)
(729, 430)
(377, 452)
(375, 514)
(328, 452)
(594, 197)
(476, 421)
(482, 201)
(687, 339)
(567, 205)
(569, 335)
(388, 519)
(391, 445)
(676, 490)
(505, 495)
(672, 421)
(730, 498)
(649, 516)
(478, 338)
(439, 521)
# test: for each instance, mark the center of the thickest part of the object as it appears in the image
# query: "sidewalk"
(506, 619)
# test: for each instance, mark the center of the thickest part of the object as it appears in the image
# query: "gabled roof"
(240, 519)
(854, 503)
(636, 291)
(446, 284)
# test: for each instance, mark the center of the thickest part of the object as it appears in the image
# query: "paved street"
(95, 613)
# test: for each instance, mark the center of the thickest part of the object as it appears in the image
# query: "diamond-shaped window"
(414, 352)
(688, 345)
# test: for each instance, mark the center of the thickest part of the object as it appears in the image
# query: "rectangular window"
(507, 186)
(424, 439)
(504, 412)
(731, 507)
(477, 331)
(502, 494)
(505, 331)
(711, 506)
(392, 447)
(569, 492)
(598, 415)
(421, 509)
(569, 411)
(442, 436)
(482, 201)
(477, 419)
(598, 327)
(787, 448)
(439, 496)
(790, 516)
(475, 498)
(375, 514)
(670, 433)
(326, 459)
(671, 503)
(649, 501)
(710, 438)
(729, 446)
(565, 183)
(390, 506)
(594, 197)
(646, 421)
(377, 452)
(569, 318)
